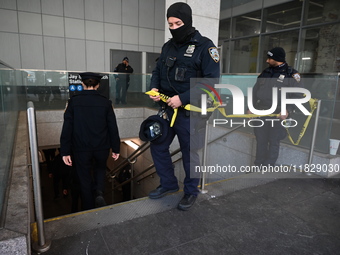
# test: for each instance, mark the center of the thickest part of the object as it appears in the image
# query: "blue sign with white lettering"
(72, 88)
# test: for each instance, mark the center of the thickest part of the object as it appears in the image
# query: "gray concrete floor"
(285, 216)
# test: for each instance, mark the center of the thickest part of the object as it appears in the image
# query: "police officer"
(279, 75)
(187, 55)
(89, 132)
(122, 80)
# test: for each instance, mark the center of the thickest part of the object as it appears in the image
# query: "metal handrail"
(145, 170)
(43, 245)
(132, 156)
(152, 165)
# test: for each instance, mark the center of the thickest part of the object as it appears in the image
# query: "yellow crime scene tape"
(216, 105)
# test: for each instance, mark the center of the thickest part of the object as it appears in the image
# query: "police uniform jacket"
(122, 68)
(279, 76)
(198, 57)
(89, 124)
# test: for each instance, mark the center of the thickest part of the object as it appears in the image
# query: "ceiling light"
(131, 144)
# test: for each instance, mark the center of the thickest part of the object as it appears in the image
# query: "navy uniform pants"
(121, 89)
(91, 170)
(268, 139)
(162, 159)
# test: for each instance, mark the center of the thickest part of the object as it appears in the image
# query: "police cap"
(154, 129)
(278, 54)
(89, 75)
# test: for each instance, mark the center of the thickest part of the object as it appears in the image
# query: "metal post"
(42, 245)
(132, 162)
(204, 159)
(310, 158)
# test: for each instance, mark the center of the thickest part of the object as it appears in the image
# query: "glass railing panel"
(50, 90)
(8, 124)
(136, 85)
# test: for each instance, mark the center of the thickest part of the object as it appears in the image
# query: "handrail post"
(42, 245)
(132, 162)
(204, 159)
(311, 150)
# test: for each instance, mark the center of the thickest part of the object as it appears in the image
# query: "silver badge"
(190, 49)
(281, 78)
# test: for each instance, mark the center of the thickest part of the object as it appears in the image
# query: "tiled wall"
(77, 35)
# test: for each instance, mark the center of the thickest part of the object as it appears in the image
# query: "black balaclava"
(183, 12)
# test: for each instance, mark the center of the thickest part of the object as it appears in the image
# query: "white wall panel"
(54, 52)
(53, 25)
(146, 37)
(207, 27)
(159, 38)
(209, 8)
(74, 28)
(29, 5)
(77, 26)
(113, 11)
(94, 30)
(74, 8)
(30, 23)
(157, 50)
(130, 12)
(145, 48)
(75, 55)
(8, 21)
(94, 10)
(159, 14)
(53, 7)
(113, 33)
(146, 7)
(8, 4)
(95, 56)
(130, 35)
(31, 51)
(132, 47)
(10, 52)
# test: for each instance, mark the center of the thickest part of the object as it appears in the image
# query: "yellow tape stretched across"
(312, 102)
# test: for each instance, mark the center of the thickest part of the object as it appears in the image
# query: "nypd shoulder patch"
(297, 77)
(213, 51)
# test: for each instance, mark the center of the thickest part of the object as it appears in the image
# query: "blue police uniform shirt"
(197, 57)
(279, 76)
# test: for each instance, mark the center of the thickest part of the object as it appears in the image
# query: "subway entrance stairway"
(245, 215)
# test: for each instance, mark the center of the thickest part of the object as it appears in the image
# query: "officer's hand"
(283, 117)
(115, 156)
(174, 102)
(67, 160)
(155, 98)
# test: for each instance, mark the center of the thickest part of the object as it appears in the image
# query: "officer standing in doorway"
(122, 80)
(187, 55)
(89, 132)
(279, 75)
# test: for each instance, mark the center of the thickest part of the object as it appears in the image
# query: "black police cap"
(89, 75)
(154, 129)
(278, 54)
